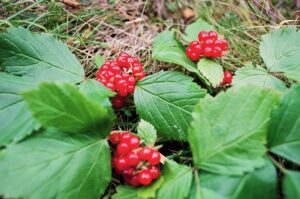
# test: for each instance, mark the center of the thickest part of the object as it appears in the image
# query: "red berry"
(145, 153)
(121, 164)
(123, 54)
(131, 81)
(223, 44)
(114, 161)
(194, 56)
(208, 43)
(155, 158)
(213, 35)
(123, 91)
(111, 86)
(132, 158)
(227, 78)
(154, 172)
(125, 137)
(137, 68)
(118, 101)
(217, 52)
(130, 89)
(145, 177)
(115, 69)
(135, 181)
(128, 172)
(123, 148)
(140, 76)
(134, 142)
(202, 36)
(195, 47)
(114, 138)
(207, 52)
(121, 61)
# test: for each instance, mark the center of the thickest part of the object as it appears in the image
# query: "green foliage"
(280, 51)
(257, 76)
(166, 100)
(228, 132)
(147, 133)
(291, 184)
(62, 106)
(211, 70)
(99, 61)
(55, 165)
(284, 131)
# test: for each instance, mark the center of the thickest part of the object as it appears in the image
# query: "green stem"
(277, 164)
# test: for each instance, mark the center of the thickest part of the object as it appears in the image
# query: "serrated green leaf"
(228, 132)
(62, 106)
(150, 191)
(38, 57)
(99, 61)
(193, 29)
(284, 131)
(177, 180)
(166, 100)
(57, 165)
(259, 184)
(257, 76)
(280, 51)
(16, 120)
(147, 133)
(291, 184)
(125, 192)
(212, 71)
(167, 48)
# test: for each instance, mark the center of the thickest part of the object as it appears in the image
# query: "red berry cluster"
(209, 45)
(120, 75)
(227, 78)
(138, 165)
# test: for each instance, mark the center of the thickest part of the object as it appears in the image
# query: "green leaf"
(259, 184)
(193, 29)
(147, 133)
(291, 184)
(16, 120)
(99, 61)
(228, 132)
(150, 191)
(280, 51)
(62, 106)
(96, 92)
(284, 131)
(211, 71)
(166, 100)
(257, 76)
(177, 180)
(38, 57)
(167, 48)
(55, 165)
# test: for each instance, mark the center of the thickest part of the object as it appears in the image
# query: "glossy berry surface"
(227, 78)
(209, 44)
(145, 177)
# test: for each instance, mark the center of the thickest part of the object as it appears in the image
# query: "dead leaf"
(188, 13)
(72, 3)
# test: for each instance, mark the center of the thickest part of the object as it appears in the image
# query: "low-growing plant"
(55, 123)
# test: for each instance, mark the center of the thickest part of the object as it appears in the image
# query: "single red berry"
(121, 164)
(115, 69)
(118, 101)
(123, 148)
(111, 86)
(135, 60)
(194, 56)
(209, 43)
(135, 181)
(207, 52)
(195, 47)
(125, 137)
(154, 172)
(114, 138)
(130, 89)
(123, 54)
(121, 61)
(134, 142)
(128, 171)
(213, 35)
(227, 78)
(155, 158)
(129, 62)
(125, 76)
(145, 177)
(202, 36)
(137, 68)
(217, 52)
(145, 153)
(132, 158)
(131, 81)
(123, 91)
(223, 44)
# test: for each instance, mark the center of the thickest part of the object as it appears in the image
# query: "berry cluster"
(209, 45)
(120, 75)
(227, 78)
(138, 165)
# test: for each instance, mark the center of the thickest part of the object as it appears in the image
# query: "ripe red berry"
(132, 158)
(128, 171)
(203, 36)
(135, 181)
(154, 172)
(217, 52)
(145, 153)
(111, 86)
(145, 177)
(121, 164)
(130, 89)
(155, 158)
(114, 138)
(227, 78)
(125, 137)
(208, 52)
(123, 91)
(213, 35)
(195, 47)
(134, 142)
(137, 68)
(123, 148)
(209, 43)
(131, 81)
(223, 44)
(118, 101)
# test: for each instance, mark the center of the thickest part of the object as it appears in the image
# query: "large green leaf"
(280, 50)
(177, 180)
(55, 165)
(257, 76)
(193, 29)
(284, 131)
(168, 49)
(259, 184)
(211, 71)
(38, 57)
(228, 132)
(16, 120)
(166, 100)
(62, 106)
(291, 185)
